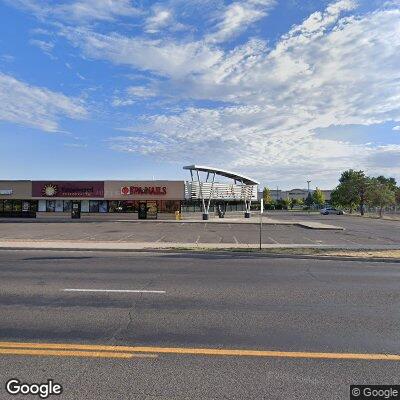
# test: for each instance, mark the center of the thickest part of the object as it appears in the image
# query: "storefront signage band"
(147, 190)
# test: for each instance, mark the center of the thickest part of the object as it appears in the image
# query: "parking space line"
(115, 291)
(350, 241)
(312, 240)
(160, 239)
(273, 240)
(126, 237)
(197, 240)
(236, 241)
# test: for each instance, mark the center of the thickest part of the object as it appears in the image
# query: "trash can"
(221, 210)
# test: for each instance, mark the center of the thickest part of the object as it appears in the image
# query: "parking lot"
(358, 231)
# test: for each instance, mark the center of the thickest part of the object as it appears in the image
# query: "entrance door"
(142, 213)
(76, 209)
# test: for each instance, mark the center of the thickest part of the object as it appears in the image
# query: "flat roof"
(222, 172)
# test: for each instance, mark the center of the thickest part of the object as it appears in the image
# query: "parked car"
(331, 210)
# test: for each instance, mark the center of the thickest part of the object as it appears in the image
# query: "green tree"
(351, 191)
(309, 200)
(295, 202)
(268, 200)
(287, 203)
(318, 197)
(390, 182)
(380, 194)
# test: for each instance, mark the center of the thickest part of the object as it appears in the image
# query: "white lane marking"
(160, 239)
(197, 240)
(273, 240)
(234, 238)
(115, 291)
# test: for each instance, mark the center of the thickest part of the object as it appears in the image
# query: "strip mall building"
(36, 198)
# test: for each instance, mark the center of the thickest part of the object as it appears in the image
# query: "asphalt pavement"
(358, 232)
(170, 308)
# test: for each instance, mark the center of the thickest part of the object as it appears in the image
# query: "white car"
(331, 210)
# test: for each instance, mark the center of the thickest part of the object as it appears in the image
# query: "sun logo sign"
(50, 190)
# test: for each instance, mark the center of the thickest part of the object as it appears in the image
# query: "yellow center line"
(85, 350)
(65, 353)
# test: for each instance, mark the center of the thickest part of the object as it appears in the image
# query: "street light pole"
(308, 194)
(261, 217)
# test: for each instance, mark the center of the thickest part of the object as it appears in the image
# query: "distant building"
(277, 194)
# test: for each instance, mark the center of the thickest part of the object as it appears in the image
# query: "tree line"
(316, 198)
(355, 191)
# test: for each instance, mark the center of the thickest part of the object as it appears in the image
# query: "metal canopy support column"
(247, 200)
(203, 204)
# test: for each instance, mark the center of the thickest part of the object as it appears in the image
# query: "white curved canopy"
(227, 174)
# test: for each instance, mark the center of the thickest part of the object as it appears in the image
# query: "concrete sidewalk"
(124, 246)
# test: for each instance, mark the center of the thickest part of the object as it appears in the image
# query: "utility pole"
(261, 217)
(308, 194)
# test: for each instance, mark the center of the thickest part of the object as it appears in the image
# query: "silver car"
(331, 210)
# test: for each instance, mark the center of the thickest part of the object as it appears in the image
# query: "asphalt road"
(358, 232)
(199, 301)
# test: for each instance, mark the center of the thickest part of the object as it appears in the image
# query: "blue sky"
(283, 91)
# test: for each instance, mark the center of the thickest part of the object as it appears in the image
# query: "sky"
(283, 91)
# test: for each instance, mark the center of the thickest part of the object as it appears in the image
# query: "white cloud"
(141, 91)
(76, 145)
(326, 71)
(33, 106)
(396, 128)
(237, 16)
(78, 10)
(46, 47)
(160, 18)
(163, 57)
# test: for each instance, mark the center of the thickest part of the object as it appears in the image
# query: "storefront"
(16, 199)
(20, 198)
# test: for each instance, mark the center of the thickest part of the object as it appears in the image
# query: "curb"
(242, 252)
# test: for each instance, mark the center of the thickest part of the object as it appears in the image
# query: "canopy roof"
(227, 174)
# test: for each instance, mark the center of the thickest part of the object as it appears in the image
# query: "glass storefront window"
(26, 206)
(103, 206)
(85, 206)
(123, 206)
(169, 206)
(50, 205)
(93, 206)
(59, 206)
(113, 206)
(7, 205)
(42, 205)
(33, 205)
(67, 205)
